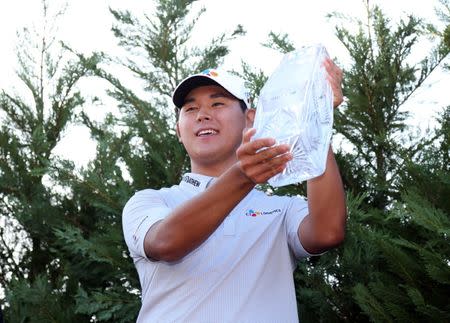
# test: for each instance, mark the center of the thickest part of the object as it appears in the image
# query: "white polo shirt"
(241, 273)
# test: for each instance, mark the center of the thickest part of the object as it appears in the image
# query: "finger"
(334, 83)
(250, 148)
(263, 178)
(277, 161)
(269, 166)
(334, 77)
(248, 134)
(268, 154)
(332, 69)
(331, 65)
(269, 170)
(338, 96)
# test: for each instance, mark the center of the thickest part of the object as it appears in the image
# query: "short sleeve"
(143, 210)
(296, 211)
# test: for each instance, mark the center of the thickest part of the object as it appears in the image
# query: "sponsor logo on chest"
(253, 213)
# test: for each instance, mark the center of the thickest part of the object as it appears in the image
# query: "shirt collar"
(196, 182)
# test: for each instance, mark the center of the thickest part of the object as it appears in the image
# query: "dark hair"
(243, 105)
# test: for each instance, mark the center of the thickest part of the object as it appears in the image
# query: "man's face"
(210, 125)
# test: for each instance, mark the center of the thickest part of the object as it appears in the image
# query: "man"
(214, 249)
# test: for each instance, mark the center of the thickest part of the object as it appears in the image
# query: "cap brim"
(183, 89)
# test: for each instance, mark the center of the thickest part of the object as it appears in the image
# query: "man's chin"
(211, 157)
(206, 157)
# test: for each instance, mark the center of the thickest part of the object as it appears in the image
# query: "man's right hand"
(261, 159)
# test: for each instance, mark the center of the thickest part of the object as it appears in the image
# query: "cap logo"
(210, 72)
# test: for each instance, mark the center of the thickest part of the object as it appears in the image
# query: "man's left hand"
(335, 78)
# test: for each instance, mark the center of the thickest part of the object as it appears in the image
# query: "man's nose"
(203, 114)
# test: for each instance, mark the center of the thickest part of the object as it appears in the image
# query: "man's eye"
(217, 104)
(187, 109)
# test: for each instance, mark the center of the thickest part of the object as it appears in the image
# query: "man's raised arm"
(191, 223)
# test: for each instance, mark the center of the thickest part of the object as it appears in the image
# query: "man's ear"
(249, 117)
(177, 129)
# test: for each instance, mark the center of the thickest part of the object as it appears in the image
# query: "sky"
(86, 27)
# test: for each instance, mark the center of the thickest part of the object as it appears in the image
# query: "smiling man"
(213, 248)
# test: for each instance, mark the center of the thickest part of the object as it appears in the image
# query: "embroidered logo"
(251, 212)
(191, 181)
(210, 72)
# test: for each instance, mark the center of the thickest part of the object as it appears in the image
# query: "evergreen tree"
(137, 149)
(393, 265)
(76, 266)
(31, 270)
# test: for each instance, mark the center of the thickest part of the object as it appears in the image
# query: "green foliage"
(377, 85)
(31, 127)
(137, 148)
(163, 41)
(372, 88)
(394, 264)
(110, 306)
(392, 267)
(69, 237)
(416, 266)
(40, 301)
(255, 80)
(279, 42)
(331, 277)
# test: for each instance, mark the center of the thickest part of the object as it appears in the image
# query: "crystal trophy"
(295, 107)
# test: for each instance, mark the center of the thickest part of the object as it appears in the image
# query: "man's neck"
(213, 169)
